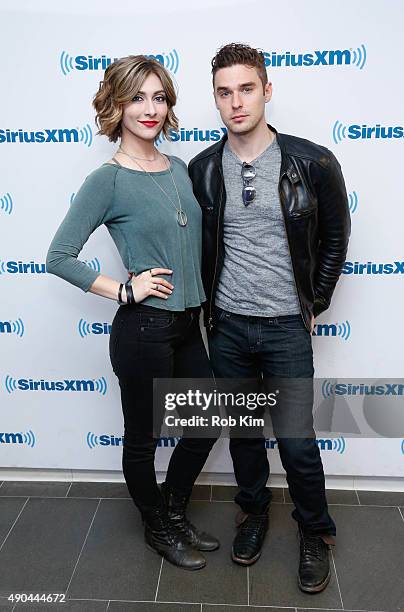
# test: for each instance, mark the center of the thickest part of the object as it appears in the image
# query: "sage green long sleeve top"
(143, 224)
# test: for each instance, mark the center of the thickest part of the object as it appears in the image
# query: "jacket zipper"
(290, 252)
(217, 251)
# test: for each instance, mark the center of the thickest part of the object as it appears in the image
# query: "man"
(275, 233)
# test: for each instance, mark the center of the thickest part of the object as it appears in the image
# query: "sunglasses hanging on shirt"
(248, 173)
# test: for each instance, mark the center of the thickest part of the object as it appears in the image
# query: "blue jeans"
(253, 347)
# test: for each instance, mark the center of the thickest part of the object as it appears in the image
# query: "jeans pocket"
(157, 321)
(221, 314)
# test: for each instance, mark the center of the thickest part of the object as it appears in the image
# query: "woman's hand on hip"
(149, 283)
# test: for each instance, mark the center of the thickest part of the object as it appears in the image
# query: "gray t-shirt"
(257, 276)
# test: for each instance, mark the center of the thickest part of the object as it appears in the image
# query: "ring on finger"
(156, 287)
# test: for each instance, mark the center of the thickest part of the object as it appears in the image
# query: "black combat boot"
(165, 539)
(176, 506)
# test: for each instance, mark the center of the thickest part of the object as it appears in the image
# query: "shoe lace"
(173, 533)
(253, 524)
(311, 545)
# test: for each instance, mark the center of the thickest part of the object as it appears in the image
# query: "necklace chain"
(134, 157)
(181, 215)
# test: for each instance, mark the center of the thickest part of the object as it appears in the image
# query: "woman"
(145, 199)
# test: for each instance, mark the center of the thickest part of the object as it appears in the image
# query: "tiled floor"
(85, 540)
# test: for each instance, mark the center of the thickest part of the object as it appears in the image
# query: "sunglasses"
(248, 173)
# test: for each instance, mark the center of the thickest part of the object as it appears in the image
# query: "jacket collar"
(218, 148)
(287, 166)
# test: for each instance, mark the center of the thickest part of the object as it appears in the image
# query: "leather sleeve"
(334, 230)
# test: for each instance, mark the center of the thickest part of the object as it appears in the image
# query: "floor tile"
(227, 493)
(99, 489)
(221, 581)
(10, 508)
(224, 608)
(115, 563)
(126, 606)
(201, 492)
(334, 496)
(40, 553)
(273, 579)
(68, 606)
(34, 489)
(369, 557)
(380, 498)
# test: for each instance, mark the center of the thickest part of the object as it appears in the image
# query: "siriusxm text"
(356, 267)
(29, 384)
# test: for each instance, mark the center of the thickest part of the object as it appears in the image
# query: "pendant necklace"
(182, 219)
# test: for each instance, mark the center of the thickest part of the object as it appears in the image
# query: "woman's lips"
(149, 123)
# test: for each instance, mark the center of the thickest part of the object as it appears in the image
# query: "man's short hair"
(237, 53)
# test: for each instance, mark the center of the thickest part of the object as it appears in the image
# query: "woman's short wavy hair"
(123, 79)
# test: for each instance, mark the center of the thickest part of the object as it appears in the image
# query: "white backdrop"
(346, 81)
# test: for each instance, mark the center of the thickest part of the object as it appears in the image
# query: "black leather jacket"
(315, 209)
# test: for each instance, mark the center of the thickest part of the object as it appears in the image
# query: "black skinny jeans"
(147, 343)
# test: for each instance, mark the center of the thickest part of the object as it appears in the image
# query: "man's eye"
(247, 89)
(224, 94)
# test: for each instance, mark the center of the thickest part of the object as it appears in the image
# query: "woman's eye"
(160, 99)
(137, 99)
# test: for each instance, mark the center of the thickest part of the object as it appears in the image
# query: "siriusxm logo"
(365, 132)
(84, 135)
(103, 440)
(341, 330)
(94, 264)
(325, 444)
(402, 446)
(92, 440)
(28, 384)
(330, 389)
(18, 437)
(336, 57)
(356, 267)
(69, 63)
(194, 135)
(31, 267)
(6, 204)
(22, 267)
(13, 327)
(86, 329)
(353, 201)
